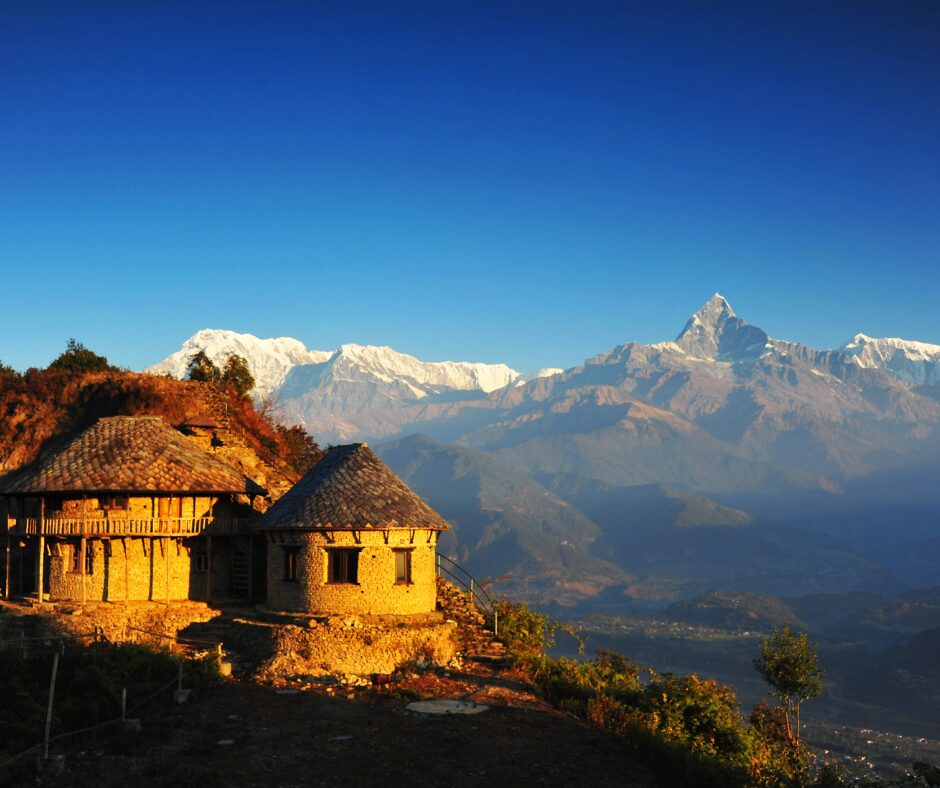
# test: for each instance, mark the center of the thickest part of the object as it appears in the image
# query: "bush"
(525, 633)
(76, 358)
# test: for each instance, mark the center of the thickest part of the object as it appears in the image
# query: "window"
(402, 567)
(343, 566)
(75, 566)
(168, 508)
(291, 562)
(201, 562)
(113, 502)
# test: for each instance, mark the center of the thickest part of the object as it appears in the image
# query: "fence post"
(123, 703)
(495, 622)
(45, 740)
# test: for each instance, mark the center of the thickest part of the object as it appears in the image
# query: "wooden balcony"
(179, 527)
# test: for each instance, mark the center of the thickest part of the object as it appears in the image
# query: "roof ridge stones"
(351, 489)
(133, 454)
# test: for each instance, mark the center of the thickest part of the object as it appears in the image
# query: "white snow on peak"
(545, 372)
(389, 365)
(268, 359)
(905, 359)
(715, 333)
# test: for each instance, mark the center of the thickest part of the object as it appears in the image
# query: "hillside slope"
(42, 408)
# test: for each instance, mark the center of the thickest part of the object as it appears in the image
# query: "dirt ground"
(304, 734)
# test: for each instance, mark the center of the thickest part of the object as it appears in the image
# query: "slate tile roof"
(129, 454)
(351, 488)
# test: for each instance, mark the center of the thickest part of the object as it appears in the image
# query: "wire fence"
(187, 648)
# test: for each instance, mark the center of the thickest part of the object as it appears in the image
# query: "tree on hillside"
(78, 358)
(790, 665)
(236, 375)
(200, 367)
(300, 450)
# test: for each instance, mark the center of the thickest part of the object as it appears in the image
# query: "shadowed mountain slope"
(506, 526)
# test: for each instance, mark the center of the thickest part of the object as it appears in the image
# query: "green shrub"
(525, 633)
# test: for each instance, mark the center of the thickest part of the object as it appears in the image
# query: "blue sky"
(522, 182)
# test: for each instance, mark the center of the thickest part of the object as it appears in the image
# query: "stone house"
(351, 537)
(130, 509)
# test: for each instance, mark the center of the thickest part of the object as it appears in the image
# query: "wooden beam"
(166, 563)
(208, 566)
(251, 565)
(42, 547)
(126, 573)
(81, 561)
(6, 574)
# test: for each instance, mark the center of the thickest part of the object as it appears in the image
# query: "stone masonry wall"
(347, 645)
(156, 569)
(376, 591)
(120, 623)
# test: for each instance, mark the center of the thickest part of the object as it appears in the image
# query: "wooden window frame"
(291, 563)
(74, 565)
(342, 566)
(200, 562)
(109, 503)
(404, 578)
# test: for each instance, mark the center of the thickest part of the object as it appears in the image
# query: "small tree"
(236, 374)
(789, 663)
(78, 358)
(300, 450)
(201, 367)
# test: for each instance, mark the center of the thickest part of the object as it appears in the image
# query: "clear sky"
(528, 182)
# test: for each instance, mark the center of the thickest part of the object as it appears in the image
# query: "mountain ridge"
(367, 391)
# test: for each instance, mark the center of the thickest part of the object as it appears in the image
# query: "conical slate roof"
(351, 488)
(140, 454)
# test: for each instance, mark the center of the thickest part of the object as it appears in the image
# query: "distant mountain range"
(367, 392)
(652, 463)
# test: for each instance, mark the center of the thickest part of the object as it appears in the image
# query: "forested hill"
(40, 409)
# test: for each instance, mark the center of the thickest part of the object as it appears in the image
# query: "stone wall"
(120, 623)
(348, 645)
(154, 568)
(376, 591)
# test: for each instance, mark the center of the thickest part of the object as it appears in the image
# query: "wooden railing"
(114, 526)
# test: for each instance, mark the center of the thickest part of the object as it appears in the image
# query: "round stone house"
(351, 538)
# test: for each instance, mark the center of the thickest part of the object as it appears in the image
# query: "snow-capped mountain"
(715, 333)
(324, 390)
(912, 362)
(423, 377)
(268, 359)
(720, 373)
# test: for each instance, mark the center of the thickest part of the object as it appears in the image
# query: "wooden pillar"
(81, 562)
(126, 572)
(208, 567)
(251, 566)
(42, 547)
(166, 567)
(6, 574)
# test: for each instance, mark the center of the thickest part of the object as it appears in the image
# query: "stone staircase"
(474, 638)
